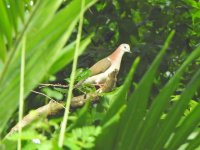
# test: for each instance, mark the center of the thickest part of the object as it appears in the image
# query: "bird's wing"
(100, 66)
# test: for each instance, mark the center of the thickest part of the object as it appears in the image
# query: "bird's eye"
(125, 47)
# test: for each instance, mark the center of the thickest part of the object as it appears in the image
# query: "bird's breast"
(101, 78)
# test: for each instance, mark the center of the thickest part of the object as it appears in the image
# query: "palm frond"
(47, 34)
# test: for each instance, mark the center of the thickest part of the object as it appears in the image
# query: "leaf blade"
(176, 112)
(149, 126)
(137, 102)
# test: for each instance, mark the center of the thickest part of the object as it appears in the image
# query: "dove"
(101, 70)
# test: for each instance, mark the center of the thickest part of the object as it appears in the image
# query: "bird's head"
(125, 48)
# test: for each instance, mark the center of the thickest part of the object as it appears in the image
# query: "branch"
(51, 108)
(54, 107)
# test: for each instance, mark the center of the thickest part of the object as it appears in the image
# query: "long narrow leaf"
(39, 58)
(188, 125)
(40, 20)
(5, 26)
(136, 109)
(21, 8)
(13, 14)
(176, 112)
(17, 43)
(21, 92)
(111, 120)
(72, 78)
(3, 51)
(149, 126)
(120, 98)
(194, 143)
(66, 54)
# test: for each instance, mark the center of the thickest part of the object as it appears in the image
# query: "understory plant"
(36, 39)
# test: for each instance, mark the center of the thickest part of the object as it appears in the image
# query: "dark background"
(144, 25)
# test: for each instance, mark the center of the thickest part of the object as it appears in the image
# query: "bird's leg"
(99, 85)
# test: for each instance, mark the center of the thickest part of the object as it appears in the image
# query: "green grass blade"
(136, 107)
(66, 54)
(3, 51)
(13, 14)
(5, 26)
(194, 143)
(111, 120)
(37, 22)
(188, 125)
(149, 126)
(19, 39)
(72, 78)
(175, 114)
(121, 97)
(21, 9)
(21, 94)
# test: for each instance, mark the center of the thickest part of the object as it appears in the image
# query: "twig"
(53, 85)
(46, 96)
(91, 11)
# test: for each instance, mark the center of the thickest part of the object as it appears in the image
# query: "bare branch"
(53, 106)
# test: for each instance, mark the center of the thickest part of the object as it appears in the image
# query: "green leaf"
(149, 126)
(82, 117)
(21, 9)
(193, 144)
(3, 52)
(66, 55)
(52, 93)
(185, 129)
(82, 74)
(136, 107)
(41, 52)
(110, 121)
(12, 11)
(82, 137)
(5, 26)
(26, 135)
(119, 98)
(177, 111)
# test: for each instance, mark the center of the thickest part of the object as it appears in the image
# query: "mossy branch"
(54, 107)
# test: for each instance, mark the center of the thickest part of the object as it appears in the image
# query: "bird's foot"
(98, 85)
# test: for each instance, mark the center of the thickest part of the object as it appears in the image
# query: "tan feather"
(100, 67)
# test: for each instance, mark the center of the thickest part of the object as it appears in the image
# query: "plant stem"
(21, 94)
(72, 78)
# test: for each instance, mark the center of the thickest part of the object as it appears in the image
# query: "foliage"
(42, 47)
(136, 123)
(145, 25)
(156, 109)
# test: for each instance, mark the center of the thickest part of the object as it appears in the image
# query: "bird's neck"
(116, 55)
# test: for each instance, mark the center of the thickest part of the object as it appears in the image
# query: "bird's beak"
(129, 51)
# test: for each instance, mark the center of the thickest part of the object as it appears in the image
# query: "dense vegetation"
(156, 102)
